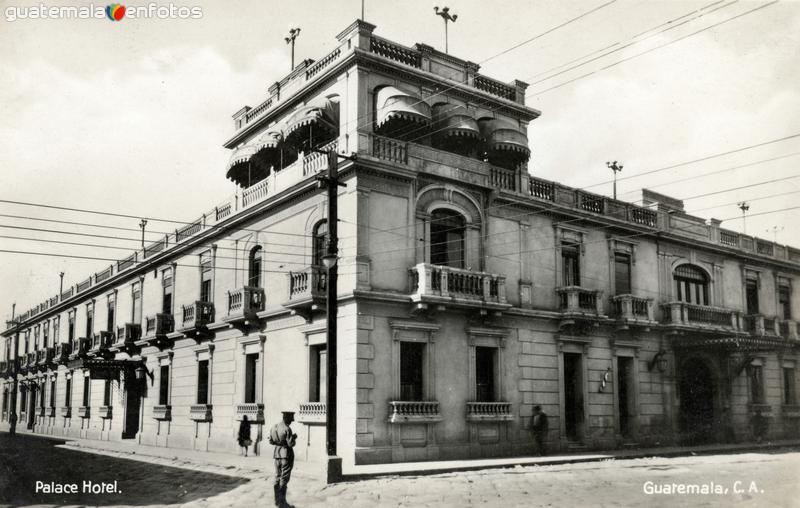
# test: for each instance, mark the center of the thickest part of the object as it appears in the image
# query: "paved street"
(764, 479)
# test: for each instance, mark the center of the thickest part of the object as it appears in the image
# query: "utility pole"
(362, 10)
(744, 206)
(447, 17)
(13, 413)
(331, 181)
(293, 33)
(142, 224)
(613, 166)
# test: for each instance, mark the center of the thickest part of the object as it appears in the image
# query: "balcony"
(580, 302)
(632, 310)
(61, 354)
(757, 324)
(83, 412)
(163, 412)
(3, 369)
(682, 314)
(414, 412)
(788, 329)
(444, 286)
(489, 412)
(243, 304)
(253, 412)
(101, 341)
(41, 411)
(66, 412)
(200, 412)
(312, 412)
(105, 412)
(156, 328)
(128, 335)
(307, 290)
(51, 411)
(80, 348)
(30, 359)
(196, 318)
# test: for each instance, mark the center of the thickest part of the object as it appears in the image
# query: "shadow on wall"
(25, 460)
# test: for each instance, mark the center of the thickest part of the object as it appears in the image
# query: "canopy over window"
(313, 125)
(240, 165)
(506, 145)
(451, 120)
(400, 114)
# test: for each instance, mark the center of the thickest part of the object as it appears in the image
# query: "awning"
(241, 156)
(315, 123)
(504, 137)
(743, 343)
(451, 120)
(393, 104)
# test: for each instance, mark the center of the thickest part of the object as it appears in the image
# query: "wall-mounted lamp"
(659, 360)
(141, 371)
(605, 380)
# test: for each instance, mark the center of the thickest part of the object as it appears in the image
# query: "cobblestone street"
(764, 479)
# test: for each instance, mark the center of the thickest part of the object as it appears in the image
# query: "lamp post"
(60, 284)
(615, 167)
(744, 206)
(293, 33)
(447, 17)
(142, 224)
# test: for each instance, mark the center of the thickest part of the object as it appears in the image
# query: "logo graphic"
(115, 12)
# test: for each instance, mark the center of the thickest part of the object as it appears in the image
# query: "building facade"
(469, 291)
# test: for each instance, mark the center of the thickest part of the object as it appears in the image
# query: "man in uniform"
(282, 437)
(539, 427)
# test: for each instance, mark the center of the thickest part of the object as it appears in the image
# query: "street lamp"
(744, 206)
(293, 33)
(615, 167)
(447, 17)
(142, 224)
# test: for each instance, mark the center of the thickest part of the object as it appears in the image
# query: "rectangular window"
(68, 394)
(622, 273)
(789, 396)
(107, 393)
(52, 393)
(250, 371)
(136, 311)
(411, 367)
(110, 315)
(86, 384)
(570, 258)
(71, 328)
(318, 368)
(23, 395)
(45, 334)
(756, 384)
(202, 382)
(166, 283)
(785, 302)
(42, 394)
(56, 338)
(89, 321)
(484, 373)
(163, 386)
(206, 273)
(751, 296)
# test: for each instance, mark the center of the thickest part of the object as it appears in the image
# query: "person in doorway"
(539, 427)
(759, 425)
(244, 435)
(282, 437)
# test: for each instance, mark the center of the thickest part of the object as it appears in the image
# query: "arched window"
(448, 231)
(254, 279)
(320, 243)
(691, 285)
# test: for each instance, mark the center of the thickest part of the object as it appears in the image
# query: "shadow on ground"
(24, 460)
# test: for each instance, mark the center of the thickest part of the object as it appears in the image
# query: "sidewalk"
(262, 466)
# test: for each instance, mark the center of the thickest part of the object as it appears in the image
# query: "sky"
(129, 117)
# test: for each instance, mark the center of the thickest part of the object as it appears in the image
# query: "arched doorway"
(697, 391)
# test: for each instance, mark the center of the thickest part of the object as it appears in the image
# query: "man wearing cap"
(282, 437)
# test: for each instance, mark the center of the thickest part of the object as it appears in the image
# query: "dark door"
(133, 403)
(31, 407)
(573, 395)
(697, 402)
(625, 394)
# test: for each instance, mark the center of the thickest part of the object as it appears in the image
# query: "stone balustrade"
(489, 411)
(253, 411)
(162, 412)
(312, 412)
(197, 315)
(458, 284)
(689, 314)
(200, 412)
(414, 412)
(244, 303)
(579, 300)
(633, 308)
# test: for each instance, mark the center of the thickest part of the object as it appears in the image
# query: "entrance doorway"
(31, 407)
(697, 392)
(573, 396)
(133, 404)
(625, 395)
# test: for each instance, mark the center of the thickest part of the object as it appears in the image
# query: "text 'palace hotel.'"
(469, 291)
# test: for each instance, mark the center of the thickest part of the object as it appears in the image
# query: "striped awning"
(322, 115)
(457, 125)
(501, 136)
(241, 155)
(271, 139)
(393, 104)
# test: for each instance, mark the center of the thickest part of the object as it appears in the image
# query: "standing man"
(282, 437)
(539, 427)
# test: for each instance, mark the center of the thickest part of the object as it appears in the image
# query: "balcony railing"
(312, 412)
(31, 359)
(255, 193)
(309, 283)
(489, 411)
(101, 341)
(633, 308)
(390, 149)
(200, 412)
(105, 412)
(502, 178)
(41, 411)
(197, 315)
(66, 412)
(456, 283)
(159, 324)
(61, 352)
(128, 334)
(84, 412)
(414, 412)
(245, 302)
(253, 412)
(51, 411)
(163, 412)
(682, 313)
(578, 300)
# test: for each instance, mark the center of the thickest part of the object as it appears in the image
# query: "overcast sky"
(130, 116)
